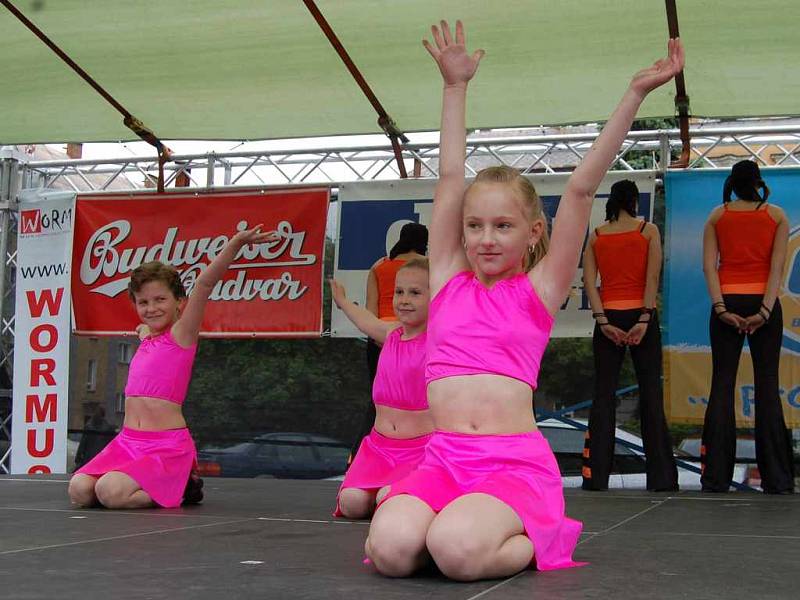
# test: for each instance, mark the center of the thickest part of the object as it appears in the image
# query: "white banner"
(42, 333)
(371, 214)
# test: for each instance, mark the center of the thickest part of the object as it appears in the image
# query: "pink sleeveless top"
(161, 369)
(400, 379)
(474, 330)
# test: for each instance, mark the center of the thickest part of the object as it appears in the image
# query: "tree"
(245, 387)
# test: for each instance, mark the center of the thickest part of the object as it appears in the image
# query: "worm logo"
(30, 221)
(789, 295)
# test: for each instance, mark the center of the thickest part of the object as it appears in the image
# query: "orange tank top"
(622, 264)
(745, 239)
(385, 273)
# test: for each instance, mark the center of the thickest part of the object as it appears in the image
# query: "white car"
(566, 440)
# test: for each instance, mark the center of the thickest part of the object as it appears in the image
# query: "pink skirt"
(519, 469)
(159, 461)
(382, 460)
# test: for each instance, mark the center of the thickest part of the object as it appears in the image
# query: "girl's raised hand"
(254, 236)
(662, 70)
(338, 292)
(456, 65)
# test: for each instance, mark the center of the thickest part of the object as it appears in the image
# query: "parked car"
(629, 464)
(566, 441)
(745, 470)
(279, 455)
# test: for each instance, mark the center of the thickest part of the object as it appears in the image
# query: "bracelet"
(645, 322)
(764, 307)
(647, 311)
(599, 314)
(761, 314)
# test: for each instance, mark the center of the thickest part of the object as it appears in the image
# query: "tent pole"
(129, 120)
(384, 120)
(681, 99)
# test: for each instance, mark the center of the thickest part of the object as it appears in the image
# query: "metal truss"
(712, 147)
(10, 172)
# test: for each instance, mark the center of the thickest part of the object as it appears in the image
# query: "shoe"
(710, 490)
(193, 494)
(669, 488)
(588, 487)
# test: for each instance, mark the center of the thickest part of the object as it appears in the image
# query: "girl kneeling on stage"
(487, 499)
(627, 254)
(403, 424)
(149, 462)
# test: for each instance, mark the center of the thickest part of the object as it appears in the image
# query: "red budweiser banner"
(271, 290)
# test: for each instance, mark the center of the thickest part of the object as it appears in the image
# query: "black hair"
(624, 196)
(745, 181)
(413, 237)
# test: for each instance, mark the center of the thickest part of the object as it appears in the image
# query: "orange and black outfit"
(745, 240)
(622, 264)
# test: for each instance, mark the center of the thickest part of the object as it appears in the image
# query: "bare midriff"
(402, 424)
(153, 414)
(481, 404)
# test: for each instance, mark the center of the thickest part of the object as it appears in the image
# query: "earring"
(531, 248)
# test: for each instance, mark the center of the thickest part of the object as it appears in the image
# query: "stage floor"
(273, 539)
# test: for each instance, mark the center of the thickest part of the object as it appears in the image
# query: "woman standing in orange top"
(626, 252)
(413, 243)
(744, 250)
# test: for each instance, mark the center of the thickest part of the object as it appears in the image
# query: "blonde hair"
(416, 263)
(531, 204)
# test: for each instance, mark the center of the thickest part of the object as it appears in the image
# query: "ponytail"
(624, 195)
(745, 181)
(727, 190)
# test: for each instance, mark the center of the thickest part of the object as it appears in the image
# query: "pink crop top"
(475, 330)
(400, 379)
(161, 369)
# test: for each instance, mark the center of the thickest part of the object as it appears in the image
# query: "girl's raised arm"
(362, 318)
(457, 67)
(553, 276)
(187, 328)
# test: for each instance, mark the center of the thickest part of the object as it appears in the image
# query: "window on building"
(91, 379)
(120, 402)
(125, 353)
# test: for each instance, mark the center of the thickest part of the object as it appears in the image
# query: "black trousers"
(773, 440)
(598, 452)
(368, 418)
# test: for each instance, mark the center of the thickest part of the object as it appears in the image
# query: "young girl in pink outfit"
(487, 499)
(150, 461)
(403, 424)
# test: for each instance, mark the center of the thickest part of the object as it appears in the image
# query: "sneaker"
(193, 494)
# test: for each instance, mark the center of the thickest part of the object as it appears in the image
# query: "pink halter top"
(161, 369)
(400, 379)
(472, 329)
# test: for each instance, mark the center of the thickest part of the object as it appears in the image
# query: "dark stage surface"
(269, 539)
